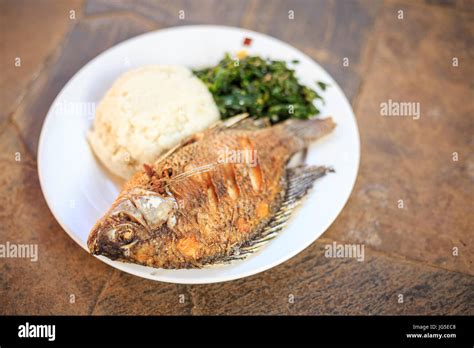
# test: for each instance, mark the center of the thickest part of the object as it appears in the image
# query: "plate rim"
(122, 265)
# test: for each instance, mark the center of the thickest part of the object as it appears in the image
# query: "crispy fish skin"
(198, 204)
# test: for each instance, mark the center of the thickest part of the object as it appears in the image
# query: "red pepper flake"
(247, 41)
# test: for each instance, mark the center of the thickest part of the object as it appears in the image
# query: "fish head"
(136, 217)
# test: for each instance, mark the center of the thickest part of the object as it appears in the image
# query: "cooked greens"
(260, 87)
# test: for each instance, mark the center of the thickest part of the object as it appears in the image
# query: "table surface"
(420, 253)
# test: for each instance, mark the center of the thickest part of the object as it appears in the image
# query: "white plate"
(79, 191)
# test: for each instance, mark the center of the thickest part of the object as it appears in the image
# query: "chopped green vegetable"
(322, 85)
(260, 87)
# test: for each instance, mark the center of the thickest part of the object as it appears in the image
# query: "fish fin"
(300, 180)
(227, 123)
(252, 124)
(309, 130)
(233, 121)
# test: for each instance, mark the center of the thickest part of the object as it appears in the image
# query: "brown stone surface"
(126, 294)
(411, 159)
(167, 12)
(408, 251)
(23, 34)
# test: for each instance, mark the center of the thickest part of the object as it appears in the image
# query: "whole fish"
(216, 197)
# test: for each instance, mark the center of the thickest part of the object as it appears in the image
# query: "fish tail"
(309, 130)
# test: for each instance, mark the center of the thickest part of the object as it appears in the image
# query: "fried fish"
(216, 197)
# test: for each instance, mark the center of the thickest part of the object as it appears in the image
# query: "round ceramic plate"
(78, 190)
